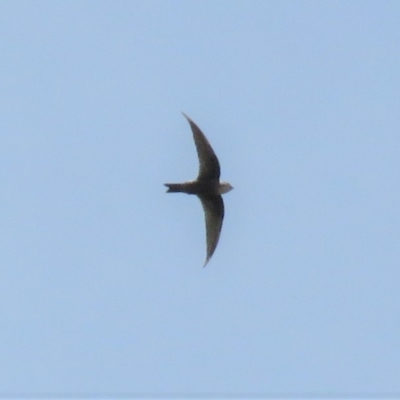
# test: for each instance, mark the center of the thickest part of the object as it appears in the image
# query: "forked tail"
(173, 187)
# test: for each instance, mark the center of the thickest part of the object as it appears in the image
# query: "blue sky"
(102, 288)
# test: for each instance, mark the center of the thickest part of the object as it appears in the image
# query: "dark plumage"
(207, 187)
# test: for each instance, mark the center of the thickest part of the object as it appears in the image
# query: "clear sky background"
(102, 288)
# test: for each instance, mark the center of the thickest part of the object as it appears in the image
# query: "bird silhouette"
(207, 187)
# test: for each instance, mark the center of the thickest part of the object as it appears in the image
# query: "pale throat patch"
(224, 187)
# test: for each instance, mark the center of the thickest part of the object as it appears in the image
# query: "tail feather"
(173, 187)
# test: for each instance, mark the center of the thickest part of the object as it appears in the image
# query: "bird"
(207, 187)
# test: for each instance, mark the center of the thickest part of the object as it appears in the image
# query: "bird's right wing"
(209, 164)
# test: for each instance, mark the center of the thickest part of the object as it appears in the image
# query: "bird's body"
(207, 187)
(199, 187)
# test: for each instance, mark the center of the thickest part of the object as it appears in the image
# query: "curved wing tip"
(207, 260)
(185, 116)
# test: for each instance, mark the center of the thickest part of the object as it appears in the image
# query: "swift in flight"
(207, 187)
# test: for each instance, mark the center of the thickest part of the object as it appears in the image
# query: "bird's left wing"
(213, 207)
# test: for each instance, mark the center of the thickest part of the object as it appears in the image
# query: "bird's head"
(225, 187)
